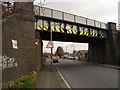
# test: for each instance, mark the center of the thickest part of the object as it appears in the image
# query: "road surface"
(88, 75)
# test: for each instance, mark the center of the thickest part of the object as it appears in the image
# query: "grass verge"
(27, 81)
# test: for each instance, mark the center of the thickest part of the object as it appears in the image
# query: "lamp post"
(66, 49)
(73, 47)
(73, 52)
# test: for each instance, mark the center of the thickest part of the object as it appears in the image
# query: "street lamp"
(73, 47)
(73, 52)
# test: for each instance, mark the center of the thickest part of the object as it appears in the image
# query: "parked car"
(65, 57)
(76, 58)
(55, 60)
(70, 57)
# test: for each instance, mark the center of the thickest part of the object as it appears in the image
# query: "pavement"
(103, 65)
(47, 78)
(110, 66)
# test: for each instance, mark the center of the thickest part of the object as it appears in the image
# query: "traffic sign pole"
(51, 51)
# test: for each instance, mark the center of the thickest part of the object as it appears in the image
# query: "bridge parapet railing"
(47, 12)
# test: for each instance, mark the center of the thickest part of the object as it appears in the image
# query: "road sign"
(14, 44)
(50, 45)
(67, 27)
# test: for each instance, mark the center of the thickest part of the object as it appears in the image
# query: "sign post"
(50, 45)
(51, 52)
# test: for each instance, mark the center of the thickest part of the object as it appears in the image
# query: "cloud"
(101, 1)
(102, 10)
(93, 9)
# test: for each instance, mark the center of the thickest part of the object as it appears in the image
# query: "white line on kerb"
(63, 78)
(65, 81)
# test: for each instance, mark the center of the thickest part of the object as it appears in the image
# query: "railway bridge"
(72, 28)
(29, 24)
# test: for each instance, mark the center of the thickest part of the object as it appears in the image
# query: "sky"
(100, 10)
(119, 14)
(67, 46)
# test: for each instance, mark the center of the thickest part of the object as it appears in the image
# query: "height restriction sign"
(67, 27)
(50, 45)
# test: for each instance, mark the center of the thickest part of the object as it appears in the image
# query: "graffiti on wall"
(7, 62)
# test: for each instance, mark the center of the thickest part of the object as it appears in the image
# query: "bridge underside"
(101, 50)
(96, 52)
(68, 37)
(103, 47)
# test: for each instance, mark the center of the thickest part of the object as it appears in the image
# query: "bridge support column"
(105, 50)
(18, 27)
(113, 43)
(96, 51)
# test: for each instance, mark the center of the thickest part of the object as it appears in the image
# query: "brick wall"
(19, 26)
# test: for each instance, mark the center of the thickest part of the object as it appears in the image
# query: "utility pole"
(66, 49)
(73, 47)
(73, 52)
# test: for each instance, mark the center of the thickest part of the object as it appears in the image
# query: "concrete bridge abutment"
(106, 51)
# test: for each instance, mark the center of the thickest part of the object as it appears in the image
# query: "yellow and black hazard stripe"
(81, 33)
(40, 27)
(53, 29)
(85, 33)
(101, 36)
(62, 30)
(74, 31)
(57, 29)
(96, 35)
(69, 31)
(91, 34)
(45, 28)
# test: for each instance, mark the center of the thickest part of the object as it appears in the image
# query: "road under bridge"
(26, 27)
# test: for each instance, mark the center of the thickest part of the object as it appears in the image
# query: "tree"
(59, 52)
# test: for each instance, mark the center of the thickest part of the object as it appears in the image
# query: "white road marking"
(64, 80)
